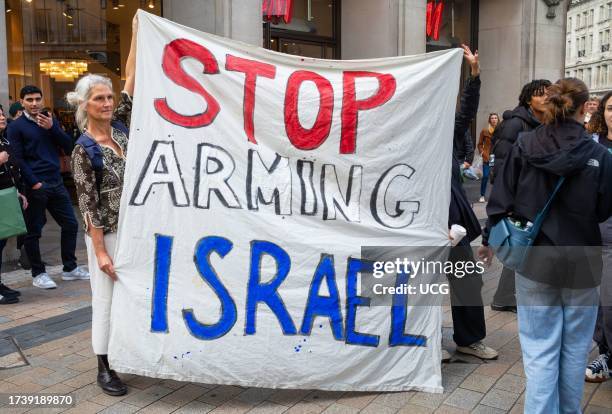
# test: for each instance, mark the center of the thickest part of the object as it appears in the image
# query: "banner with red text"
(253, 180)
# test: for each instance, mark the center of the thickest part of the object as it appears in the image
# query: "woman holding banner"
(98, 163)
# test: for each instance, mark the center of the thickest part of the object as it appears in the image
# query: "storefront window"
(312, 31)
(53, 43)
(457, 24)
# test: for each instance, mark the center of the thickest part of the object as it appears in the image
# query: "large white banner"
(253, 179)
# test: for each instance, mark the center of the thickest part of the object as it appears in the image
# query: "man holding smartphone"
(36, 139)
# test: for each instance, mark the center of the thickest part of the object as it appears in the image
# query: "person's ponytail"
(564, 99)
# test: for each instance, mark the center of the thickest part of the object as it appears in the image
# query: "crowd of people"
(555, 147)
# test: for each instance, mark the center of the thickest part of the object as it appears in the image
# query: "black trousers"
(603, 328)
(56, 200)
(466, 301)
(2, 244)
(505, 295)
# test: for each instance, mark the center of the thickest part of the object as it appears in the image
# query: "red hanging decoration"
(434, 18)
(437, 18)
(429, 21)
(275, 10)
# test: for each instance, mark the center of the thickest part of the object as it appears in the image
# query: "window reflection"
(312, 31)
(44, 34)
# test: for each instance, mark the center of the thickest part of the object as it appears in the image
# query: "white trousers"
(101, 295)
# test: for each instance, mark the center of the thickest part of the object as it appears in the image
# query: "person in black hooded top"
(556, 287)
(527, 116)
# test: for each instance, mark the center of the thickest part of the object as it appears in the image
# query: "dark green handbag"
(11, 216)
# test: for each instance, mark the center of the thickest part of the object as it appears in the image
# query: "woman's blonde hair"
(81, 94)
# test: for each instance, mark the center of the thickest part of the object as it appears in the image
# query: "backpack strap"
(539, 220)
(94, 153)
(121, 127)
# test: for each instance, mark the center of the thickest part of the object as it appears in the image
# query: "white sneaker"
(481, 199)
(446, 356)
(78, 273)
(43, 281)
(598, 371)
(478, 349)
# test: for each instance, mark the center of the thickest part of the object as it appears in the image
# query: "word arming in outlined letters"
(272, 184)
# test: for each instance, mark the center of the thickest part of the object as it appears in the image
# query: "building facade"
(588, 53)
(51, 42)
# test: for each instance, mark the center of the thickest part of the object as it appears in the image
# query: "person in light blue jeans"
(555, 327)
(558, 282)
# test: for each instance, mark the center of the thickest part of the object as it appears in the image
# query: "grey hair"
(81, 94)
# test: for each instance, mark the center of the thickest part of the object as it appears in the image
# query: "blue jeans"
(485, 178)
(555, 326)
(56, 200)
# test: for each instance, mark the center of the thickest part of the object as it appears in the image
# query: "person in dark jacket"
(9, 177)
(464, 149)
(598, 370)
(557, 287)
(36, 139)
(466, 300)
(525, 117)
(15, 111)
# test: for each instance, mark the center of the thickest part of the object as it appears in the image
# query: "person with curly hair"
(598, 370)
(527, 116)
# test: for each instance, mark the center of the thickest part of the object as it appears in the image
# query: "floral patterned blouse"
(102, 210)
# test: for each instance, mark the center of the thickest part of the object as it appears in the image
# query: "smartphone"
(45, 113)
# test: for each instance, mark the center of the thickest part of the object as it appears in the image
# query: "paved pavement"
(54, 355)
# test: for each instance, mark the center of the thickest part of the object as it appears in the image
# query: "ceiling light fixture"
(115, 4)
(63, 70)
(151, 4)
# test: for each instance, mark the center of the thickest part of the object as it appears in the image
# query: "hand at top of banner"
(472, 60)
(130, 64)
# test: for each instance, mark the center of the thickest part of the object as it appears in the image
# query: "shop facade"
(52, 42)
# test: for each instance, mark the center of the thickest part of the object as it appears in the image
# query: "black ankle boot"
(108, 379)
